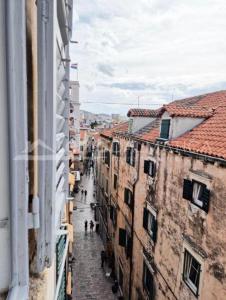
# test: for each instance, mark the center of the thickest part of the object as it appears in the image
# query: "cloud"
(106, 69)
(158, 48)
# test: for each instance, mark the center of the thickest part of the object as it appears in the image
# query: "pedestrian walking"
(85, 193)
(103, 257)
(82, 191)
(86, 225)
(91, 224)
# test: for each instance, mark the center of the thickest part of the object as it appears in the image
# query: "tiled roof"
(150, 132)
(189, 112)
(208, 138)
(120, 128)
(137, 112)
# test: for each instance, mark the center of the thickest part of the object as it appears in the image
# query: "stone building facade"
(168, 233)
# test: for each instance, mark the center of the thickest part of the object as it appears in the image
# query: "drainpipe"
(132, 227)
(17, 99)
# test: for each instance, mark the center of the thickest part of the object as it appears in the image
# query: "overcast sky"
(158, 50)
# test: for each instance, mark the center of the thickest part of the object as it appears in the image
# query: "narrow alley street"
(90, 281)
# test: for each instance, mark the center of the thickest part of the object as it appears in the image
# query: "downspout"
(17, 99)
(132, 227)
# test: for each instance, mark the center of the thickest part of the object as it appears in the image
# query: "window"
(130, 156)
(113, 215)
(165, 127)
(103, 155)
(191, 272)
(149, 168)
(150, 224)
(148, 281)
(197, 193)
(116, 149)
(81, 148)
(107, 158)
(115, 181)
(125, 241)
(128, 197)
(106, 190)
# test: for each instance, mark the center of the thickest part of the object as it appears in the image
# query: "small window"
(106, 186)
(116, 149)
(197, 193)
(165, 127)
(149, 168)
(125, 241)
(113, 215)
(150, 224)
(107, 158)
(148, 280)
(115, 181)
(128, 197)
(191, 272)
(130, 156)
(103, 155)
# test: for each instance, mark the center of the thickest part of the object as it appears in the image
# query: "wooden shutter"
(153, 169)
(118, 149)
(134, 157)
(155, 228)
(113, 148)
(129, 248)
(128, 155)
(187, 190)
(122, 237)
(205, 199)
(165, 126)
(146, 166)
(126, 195)
(145, 219)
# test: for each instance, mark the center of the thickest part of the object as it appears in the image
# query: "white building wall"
(140, 122)
(179, 125)
(5, 254)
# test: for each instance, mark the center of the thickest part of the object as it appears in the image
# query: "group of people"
(84, 192)
(91, 225)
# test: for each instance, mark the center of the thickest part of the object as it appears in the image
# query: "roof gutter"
(193, 154)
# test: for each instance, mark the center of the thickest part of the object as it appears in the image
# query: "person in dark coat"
(86, 225)
(103, 258)
(91, 224)
(85, 193)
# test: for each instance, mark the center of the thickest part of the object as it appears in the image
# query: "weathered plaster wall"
(177, 217)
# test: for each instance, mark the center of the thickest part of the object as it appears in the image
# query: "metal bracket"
(34, 216)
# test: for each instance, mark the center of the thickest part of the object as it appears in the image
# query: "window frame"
(151, 165)
(146, 270)
(130, 201)
(115, 182)
(151, 228)
(116, 150)
(188, 254)
(197, 201)
(131, 158)
(163, 122)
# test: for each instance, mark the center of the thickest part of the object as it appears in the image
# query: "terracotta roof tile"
(208, 138)
(120, 128)
(189, 112)
(150, 132)
(137, 112)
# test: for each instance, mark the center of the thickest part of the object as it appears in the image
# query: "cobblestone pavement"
(90, 281)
